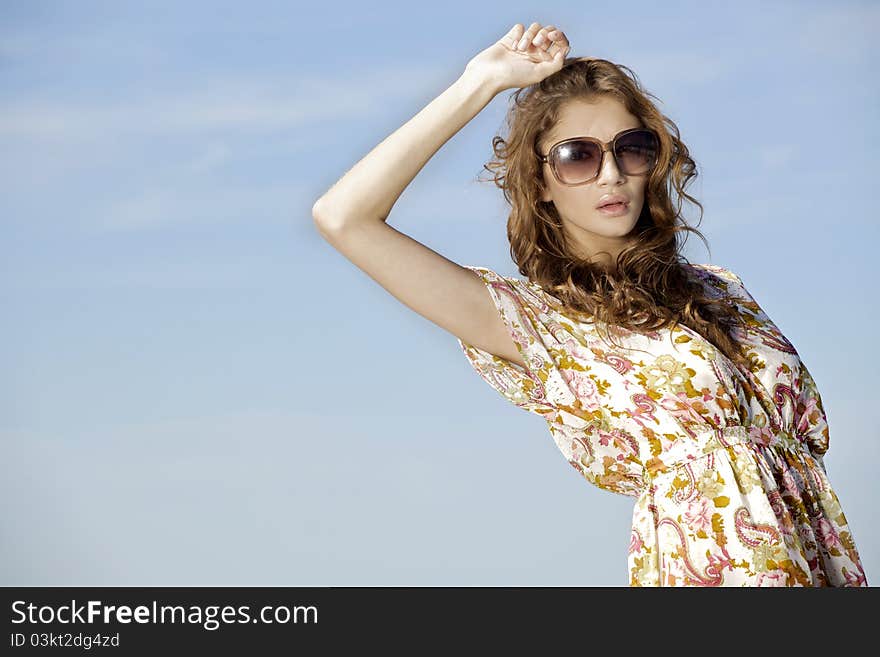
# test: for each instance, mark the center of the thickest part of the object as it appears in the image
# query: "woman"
(658, 378)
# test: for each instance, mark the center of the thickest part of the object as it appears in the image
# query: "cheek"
(639, 193)
(551, 189)
(572, 201)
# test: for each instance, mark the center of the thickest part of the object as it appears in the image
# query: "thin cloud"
(177, 203)
(220, 106)
(50, 47)
(775, 157)
(210, 159)
(842, 32)
(658, 70)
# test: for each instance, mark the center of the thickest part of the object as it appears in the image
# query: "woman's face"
(598, 236)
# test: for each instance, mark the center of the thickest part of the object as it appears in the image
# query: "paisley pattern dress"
(724, 462)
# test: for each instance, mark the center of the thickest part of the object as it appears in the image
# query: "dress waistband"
(687, 449)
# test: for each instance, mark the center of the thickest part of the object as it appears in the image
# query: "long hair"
(651, 288)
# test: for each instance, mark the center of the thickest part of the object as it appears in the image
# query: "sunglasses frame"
(606, 147)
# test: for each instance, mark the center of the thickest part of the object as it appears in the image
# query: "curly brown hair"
(651, 287)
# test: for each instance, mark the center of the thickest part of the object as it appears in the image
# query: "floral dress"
(724, 462)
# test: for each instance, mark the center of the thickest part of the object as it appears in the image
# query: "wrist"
(480, 84)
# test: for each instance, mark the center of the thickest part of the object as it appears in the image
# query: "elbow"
(330, 221)
(323, 219)
(319, 212)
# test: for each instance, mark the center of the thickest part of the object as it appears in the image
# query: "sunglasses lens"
(578, 161)
(636, 152)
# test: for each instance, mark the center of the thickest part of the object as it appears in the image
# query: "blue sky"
(200, 391)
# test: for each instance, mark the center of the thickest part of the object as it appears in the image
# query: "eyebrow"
(557, 140)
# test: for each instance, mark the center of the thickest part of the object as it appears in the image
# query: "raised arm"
(352, 214)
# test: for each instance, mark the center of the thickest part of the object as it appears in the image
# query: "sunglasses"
(579, 160)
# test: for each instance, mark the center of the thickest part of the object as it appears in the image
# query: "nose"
(609, 173)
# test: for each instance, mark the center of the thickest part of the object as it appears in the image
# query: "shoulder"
(728, 285)
(718, 278)
(708, 271)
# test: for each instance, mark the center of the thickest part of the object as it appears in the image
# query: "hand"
(506, 65)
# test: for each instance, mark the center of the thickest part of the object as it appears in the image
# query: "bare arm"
(351, 217)
(352, 214)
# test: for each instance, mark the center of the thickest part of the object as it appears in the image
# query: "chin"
(611, 226)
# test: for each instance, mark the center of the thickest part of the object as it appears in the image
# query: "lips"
(611, 199)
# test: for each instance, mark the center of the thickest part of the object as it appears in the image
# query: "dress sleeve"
(539, 387)
(809, 419)
(734, 288)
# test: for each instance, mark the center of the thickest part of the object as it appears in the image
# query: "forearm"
(369, 190)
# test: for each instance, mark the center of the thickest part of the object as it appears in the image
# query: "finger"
(542, 39)
(557, 35)
(528, 36)
(560, 55)
(559, 43)
(514, 35)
